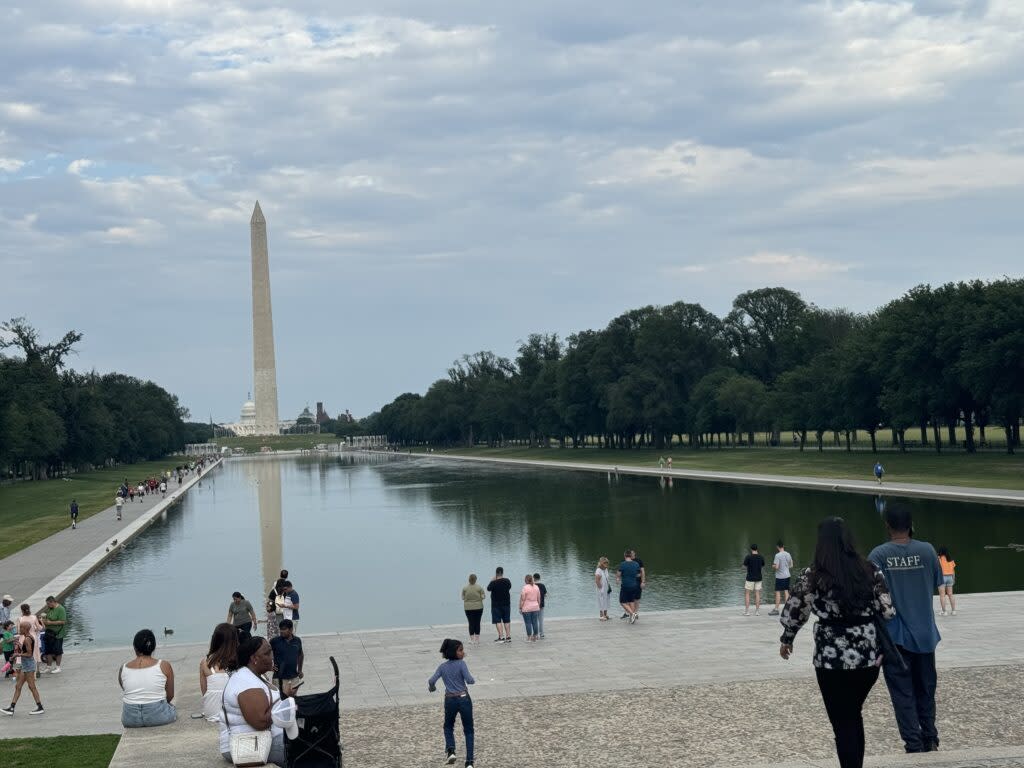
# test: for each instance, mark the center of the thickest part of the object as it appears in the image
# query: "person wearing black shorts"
(501, 605)
(629, 585)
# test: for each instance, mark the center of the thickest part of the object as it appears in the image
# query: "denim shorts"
(948, 581)
(146, 715)
(501, 614)
(28, 664)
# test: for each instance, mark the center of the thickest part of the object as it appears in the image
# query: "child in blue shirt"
(456, 677)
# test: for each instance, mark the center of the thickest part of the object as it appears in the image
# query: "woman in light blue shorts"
(25, 652)
(148, 686)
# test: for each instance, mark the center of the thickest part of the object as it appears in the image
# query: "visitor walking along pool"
(455, 675)
(846, 593)
(912, 573)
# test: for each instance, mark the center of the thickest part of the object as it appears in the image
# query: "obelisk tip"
(257, 215)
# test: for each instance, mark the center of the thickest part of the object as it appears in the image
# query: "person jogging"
(74, 514)
(879, 472)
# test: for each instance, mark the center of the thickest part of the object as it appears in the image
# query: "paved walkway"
(711, 673)
(839, 485)
(55, 565)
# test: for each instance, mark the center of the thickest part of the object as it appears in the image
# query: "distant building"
(321, 414)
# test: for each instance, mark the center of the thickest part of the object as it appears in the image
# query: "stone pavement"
(591, 688)
(55, 565)
(838, 485)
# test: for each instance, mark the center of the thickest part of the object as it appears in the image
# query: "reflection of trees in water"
(689, 529)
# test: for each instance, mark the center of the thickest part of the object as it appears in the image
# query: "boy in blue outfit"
(456, 677)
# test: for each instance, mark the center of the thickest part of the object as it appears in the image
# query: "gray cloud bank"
(444, 177)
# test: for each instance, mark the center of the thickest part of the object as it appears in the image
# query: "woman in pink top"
(529, 606)
(35, 626)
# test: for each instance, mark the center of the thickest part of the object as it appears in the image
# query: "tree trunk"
(803, 438)
(750, 437)
(969, 429)
(1009, 439)
(895, 437)
(924, 433)
(903, 445)
(848, 446)
(820, 435)
(937, 434)
(874, 445)
(951, 431)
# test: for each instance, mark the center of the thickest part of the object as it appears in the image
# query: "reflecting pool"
(377, 542)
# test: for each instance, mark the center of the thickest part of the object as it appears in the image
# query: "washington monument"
(264, 365)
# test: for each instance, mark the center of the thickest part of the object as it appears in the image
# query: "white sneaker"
(746, 613)
(55, 671)
(942, 613)
(757, 613)
(952, 613)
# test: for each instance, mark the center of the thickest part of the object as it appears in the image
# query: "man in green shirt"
(56, 622)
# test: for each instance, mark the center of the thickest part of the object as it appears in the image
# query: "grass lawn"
(32, 510)
(59, 752)
(982, 470)
(277, 442)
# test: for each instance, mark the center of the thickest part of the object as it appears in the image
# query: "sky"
(441, 178)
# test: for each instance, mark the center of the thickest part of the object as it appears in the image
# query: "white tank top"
(143, 686)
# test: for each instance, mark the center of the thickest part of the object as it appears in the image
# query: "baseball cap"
(7, 597)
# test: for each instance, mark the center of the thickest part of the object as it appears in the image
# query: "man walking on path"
(5, 609)
(879, 472)
(629, 585)
(912, 573)
(74, 514)
(118, 503)
(782, 565)
(754, 564)
(501, 605)
(56, 622)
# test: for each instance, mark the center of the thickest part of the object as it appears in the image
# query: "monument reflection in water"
(266, 473)
(377, 542)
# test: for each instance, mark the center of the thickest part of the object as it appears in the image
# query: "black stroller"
(318, 744)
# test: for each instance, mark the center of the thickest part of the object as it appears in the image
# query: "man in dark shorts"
(754, 563)
(501, 605)
(629, 585)
(56, 622)
(74, 514)
(643, 581)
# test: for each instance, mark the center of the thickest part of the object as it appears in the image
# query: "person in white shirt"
(782, 565)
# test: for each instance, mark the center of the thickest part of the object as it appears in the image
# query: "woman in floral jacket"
(846, 593)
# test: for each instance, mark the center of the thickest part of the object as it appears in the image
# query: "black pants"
(913, 699)
(844, 692)
(474, 620)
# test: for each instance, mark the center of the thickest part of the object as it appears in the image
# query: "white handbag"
(249, 750)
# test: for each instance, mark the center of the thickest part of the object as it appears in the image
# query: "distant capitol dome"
(249, 412)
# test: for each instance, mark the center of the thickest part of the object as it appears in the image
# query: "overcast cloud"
(440, 178)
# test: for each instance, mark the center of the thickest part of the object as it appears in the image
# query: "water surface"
(377, 542)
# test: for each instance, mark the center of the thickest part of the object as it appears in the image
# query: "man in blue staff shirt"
(912, 573)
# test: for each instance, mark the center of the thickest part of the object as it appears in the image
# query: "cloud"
(77, 167)
(791, 267)
(448, 160)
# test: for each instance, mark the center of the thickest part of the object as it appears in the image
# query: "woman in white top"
(215, 667)
(604, 587)
(148, 686)
(248, 699)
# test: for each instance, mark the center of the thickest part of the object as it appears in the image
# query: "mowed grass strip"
(59, 752)
(32, 510)
(981, 470)
(276, 442)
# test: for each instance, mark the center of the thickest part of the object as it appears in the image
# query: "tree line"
(53, 419)
(923, 365)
